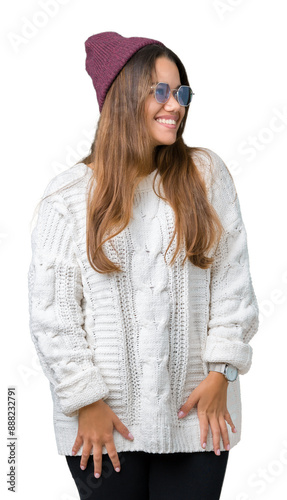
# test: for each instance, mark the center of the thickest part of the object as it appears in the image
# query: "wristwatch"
(229, 371)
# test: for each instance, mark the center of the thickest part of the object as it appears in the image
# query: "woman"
(141, 299)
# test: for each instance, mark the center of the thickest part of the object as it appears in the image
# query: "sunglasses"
(162, 91)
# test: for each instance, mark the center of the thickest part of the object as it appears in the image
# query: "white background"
(235, 55)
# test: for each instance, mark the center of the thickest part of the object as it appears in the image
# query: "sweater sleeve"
(233, 308)
(56, 316)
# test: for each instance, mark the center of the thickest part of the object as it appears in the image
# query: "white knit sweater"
(141, 339)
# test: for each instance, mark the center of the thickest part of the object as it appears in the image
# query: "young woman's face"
(164, 133)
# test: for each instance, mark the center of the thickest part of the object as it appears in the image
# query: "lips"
(167, 121)
(168, 117)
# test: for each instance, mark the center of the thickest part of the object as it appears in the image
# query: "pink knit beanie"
(107, 53)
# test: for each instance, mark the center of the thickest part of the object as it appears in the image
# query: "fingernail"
(73, 452)
(180, 414)
(218, 452)
(130, 435)
(82, 467)
(228, 447)
(97, 475)
(234, 430)
(204, 445)
(117, 469)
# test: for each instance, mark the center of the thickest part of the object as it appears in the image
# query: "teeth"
(162, 120)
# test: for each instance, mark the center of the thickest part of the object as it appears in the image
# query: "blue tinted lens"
(184, 95)
(162, 92)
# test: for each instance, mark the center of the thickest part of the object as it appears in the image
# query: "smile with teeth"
(168, 122)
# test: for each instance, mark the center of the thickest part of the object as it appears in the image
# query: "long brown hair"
(121, 155)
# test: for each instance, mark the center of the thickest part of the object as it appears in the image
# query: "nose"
(172, 103)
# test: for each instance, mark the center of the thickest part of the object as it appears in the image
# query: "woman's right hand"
(95, 429)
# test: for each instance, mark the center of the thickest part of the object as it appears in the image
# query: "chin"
(164, 141)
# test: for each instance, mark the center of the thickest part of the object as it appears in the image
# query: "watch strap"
(224, 368)
(217, 367)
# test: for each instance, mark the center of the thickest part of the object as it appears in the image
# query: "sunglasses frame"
(174, 93)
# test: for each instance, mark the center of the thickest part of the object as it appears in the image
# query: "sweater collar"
(147, 182)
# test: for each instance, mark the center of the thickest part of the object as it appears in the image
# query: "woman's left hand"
(211, 396)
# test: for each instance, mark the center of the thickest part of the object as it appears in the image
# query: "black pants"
(152, 476)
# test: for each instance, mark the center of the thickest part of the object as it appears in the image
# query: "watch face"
(231, 373)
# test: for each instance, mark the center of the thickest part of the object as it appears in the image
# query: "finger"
(215, 429)
(77, 445)
(203, 425)
(121, 428)
(97, 457)
(224, 433)
(229, 421)
(112, 452)
(190, 402)
(85, 454)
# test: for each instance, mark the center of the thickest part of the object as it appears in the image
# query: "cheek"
(151, 108)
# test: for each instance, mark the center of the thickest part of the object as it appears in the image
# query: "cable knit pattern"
(141, 339)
